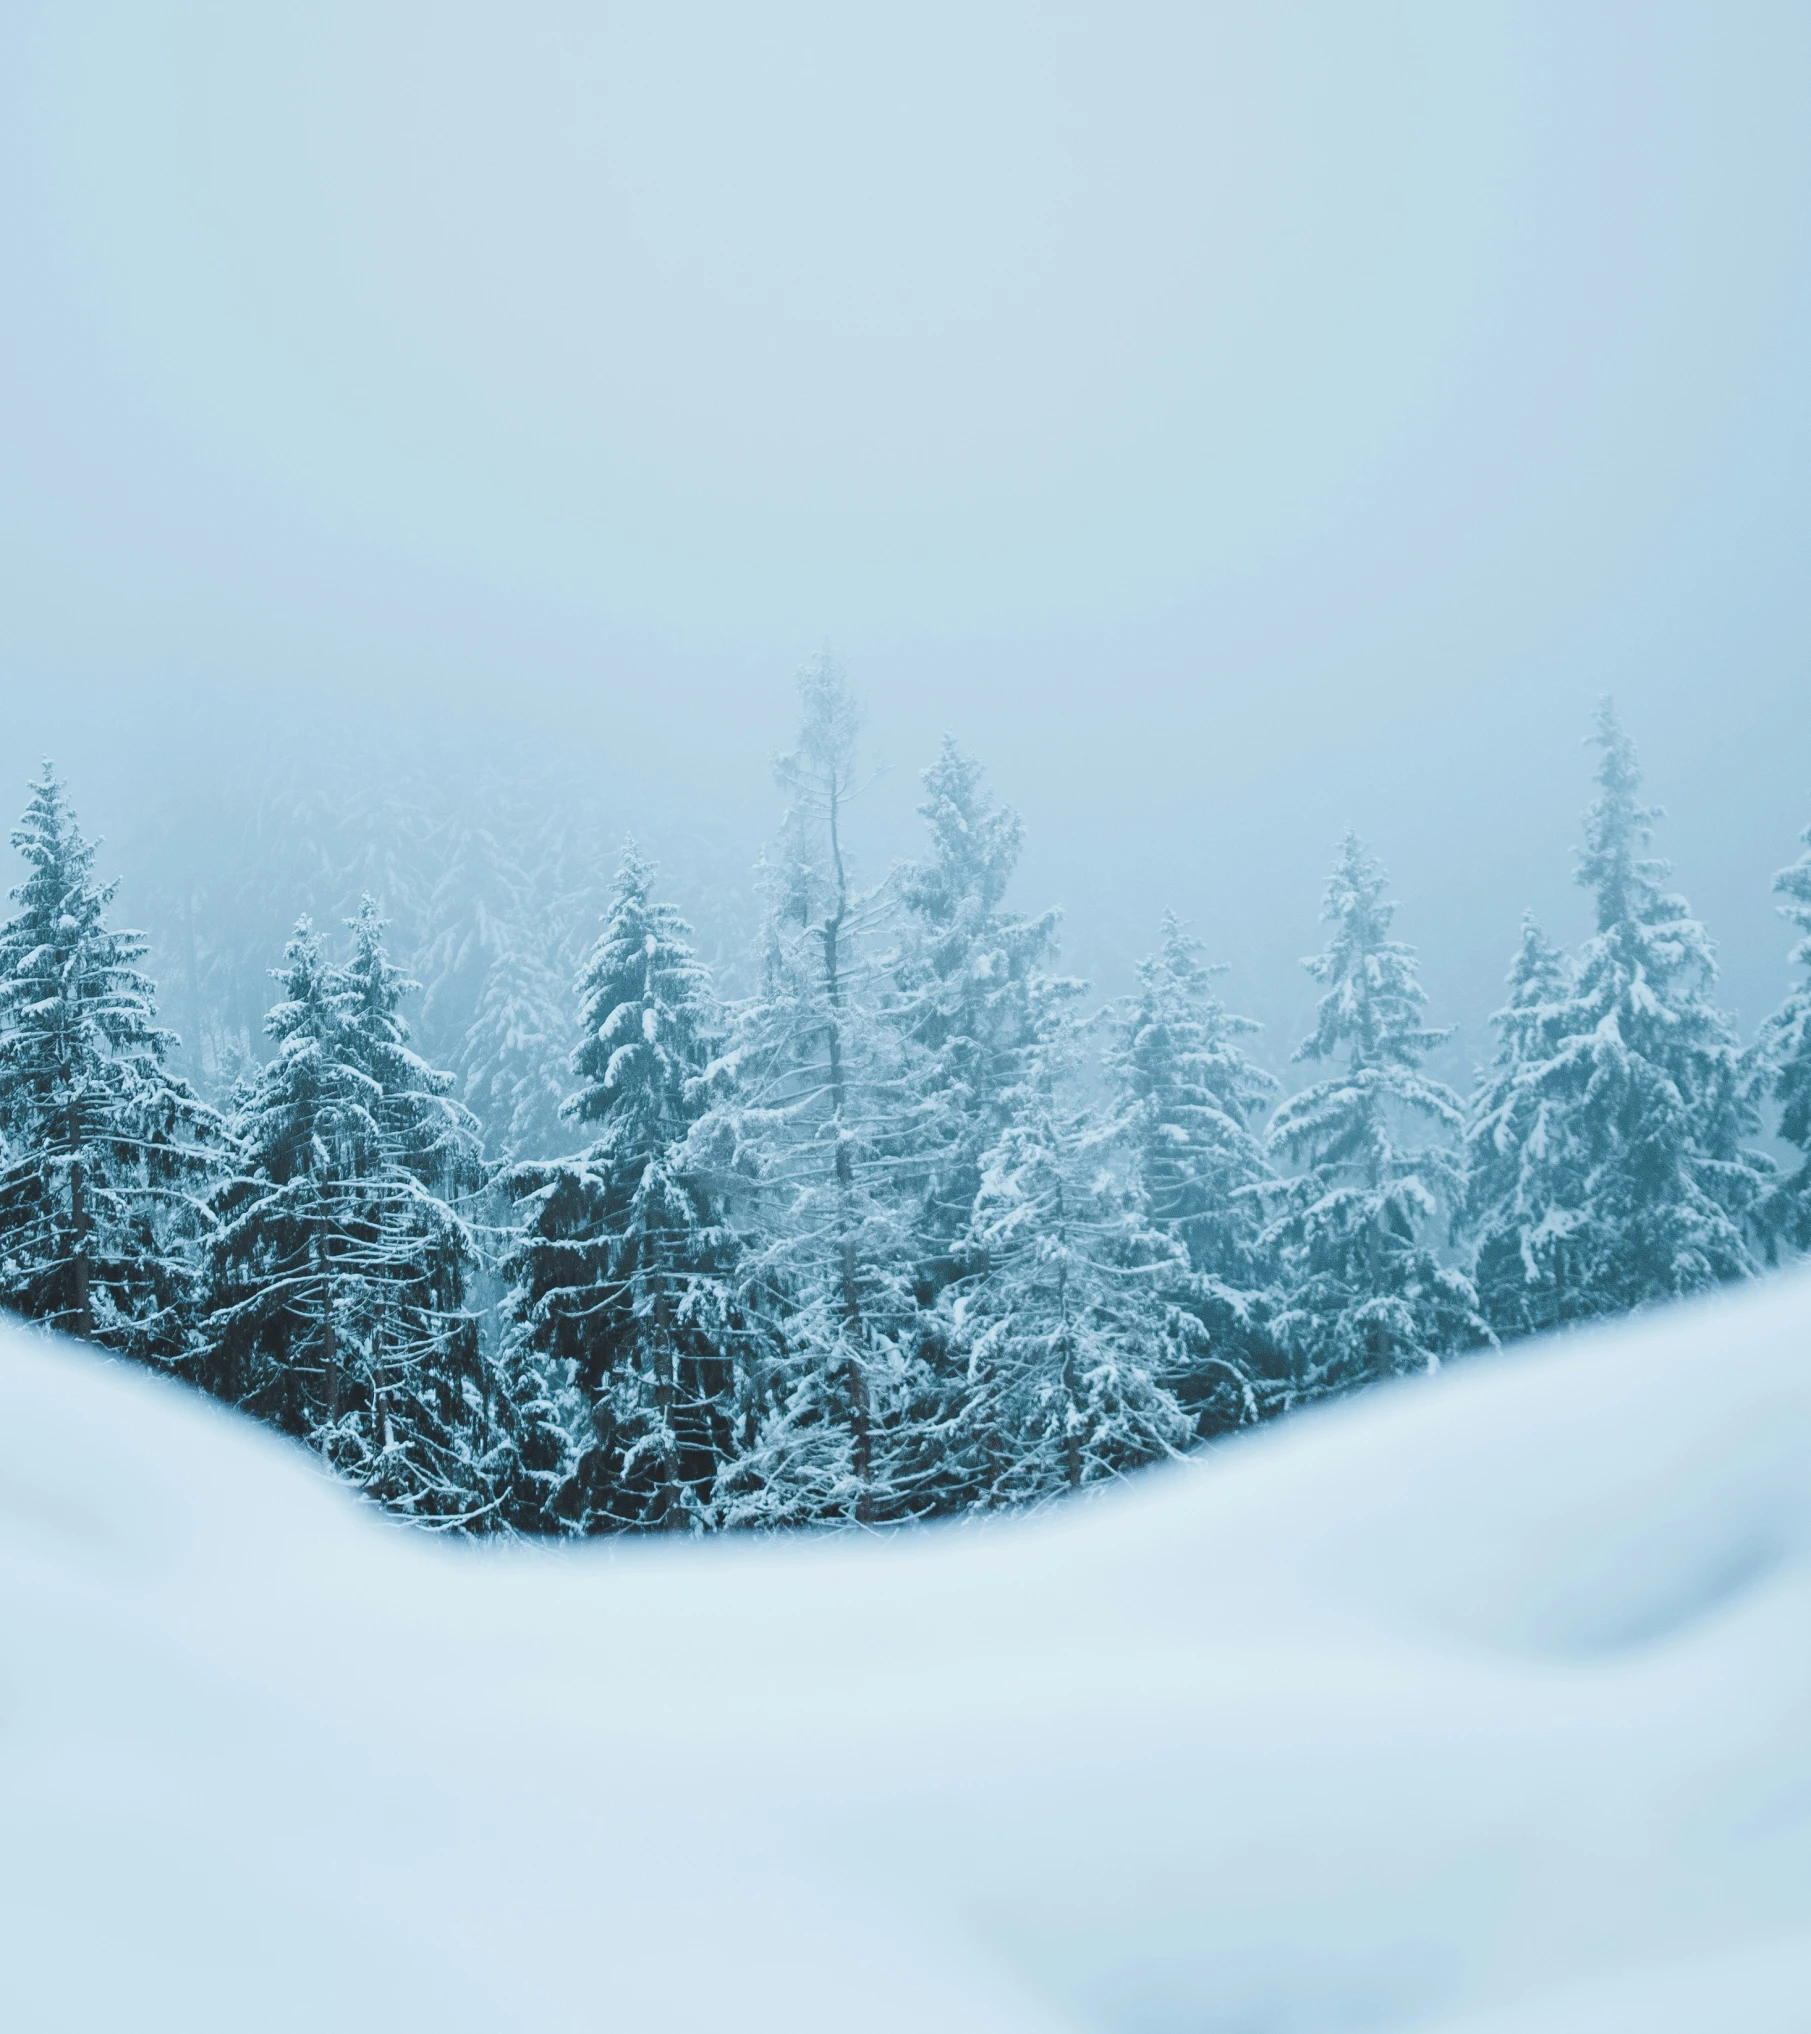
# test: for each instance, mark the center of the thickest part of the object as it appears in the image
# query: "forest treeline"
(897, 1230)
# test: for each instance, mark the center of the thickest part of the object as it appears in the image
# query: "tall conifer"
(1517, 1125)
(809, 1117)
(107, 1155)
(621, 1279)
(1611, 1161)
(1188, 1102)
(970, 983)
(340, 1305)
(1367, 1294)
(1068, 1337)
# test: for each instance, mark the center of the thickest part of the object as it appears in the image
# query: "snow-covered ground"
(1481, 1705)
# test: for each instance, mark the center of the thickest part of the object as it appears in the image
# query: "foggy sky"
(1236, 423)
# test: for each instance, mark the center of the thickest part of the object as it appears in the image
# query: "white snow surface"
(1479, 1706)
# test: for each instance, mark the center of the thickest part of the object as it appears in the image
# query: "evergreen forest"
(881, 1219)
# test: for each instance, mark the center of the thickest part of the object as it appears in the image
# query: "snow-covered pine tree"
(1366, 1296)
(106, 1156)
(1070, 1347)
(622, 1276)
(1786, 1045)
(1187, 1099)
(808, 1113)
(1516, 1133)
(971, 985)
(338, 1304)
(426, 1440)
(1622, 1174)
(306, 1120)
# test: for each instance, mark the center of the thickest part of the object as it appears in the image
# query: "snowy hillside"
(1477, 1704)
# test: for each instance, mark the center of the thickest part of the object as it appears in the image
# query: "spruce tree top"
(974, 847)
(1367, 1296)
(1510, 1104)
(1643, 980)
(431, 1135)
(1540, 975)
(1176, 1053)
(967, 970)
(372, 989)
(69, 986)
(1532, 1023)
(1609, 1159)
(1189, 1100)
(819, 776)
(1646, 926)
(310, 1110)
(1370, 1016)
(1372, 1009)
(104, 1151)
(831, 718)
(645, 1017)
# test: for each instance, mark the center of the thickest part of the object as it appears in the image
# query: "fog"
(1234, 424)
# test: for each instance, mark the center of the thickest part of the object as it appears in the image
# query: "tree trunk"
(856, 1383)
(81, 1311)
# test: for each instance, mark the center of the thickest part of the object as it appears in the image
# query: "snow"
(1479, 1705)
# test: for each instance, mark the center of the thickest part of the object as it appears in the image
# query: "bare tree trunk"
(81, 1311)
(856, 1383)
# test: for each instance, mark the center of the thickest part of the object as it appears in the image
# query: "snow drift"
(1479, 1705)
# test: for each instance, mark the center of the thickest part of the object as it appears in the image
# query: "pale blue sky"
(1236, 422)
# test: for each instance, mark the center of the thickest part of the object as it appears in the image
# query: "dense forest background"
(533, 1204)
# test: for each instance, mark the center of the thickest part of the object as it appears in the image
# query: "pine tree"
(808, 1113)
(622, 1276)
(1612, 1169)
(1367, 1297)
(339, 1305)
(1786, 1044)
(970, 988)
(971, 981)
(106, 1155)
(1070, 1347)
(1517, 1129)
(1187, 1099)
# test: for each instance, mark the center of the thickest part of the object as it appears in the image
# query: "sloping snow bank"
(1478, 1707)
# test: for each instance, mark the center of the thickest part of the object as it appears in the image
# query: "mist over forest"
(226, 815)
(1036, 523)
(532, 1208)
(1229, 434)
